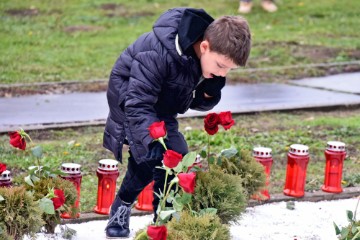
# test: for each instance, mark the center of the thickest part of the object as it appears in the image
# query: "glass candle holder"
(298, 158)
(5, 179)
(146, 198)
(107, 173)
(263, 155)
(335, 154)
(73, 174)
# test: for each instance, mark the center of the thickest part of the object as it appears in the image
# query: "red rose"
(59, 200)
(157, 232)
(2, 167)
(157, 130)
(16, 140)
(172, 158)
(211, 122)
(226, 120)
(187, 181)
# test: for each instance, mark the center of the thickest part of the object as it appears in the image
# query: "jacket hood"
(179, 28)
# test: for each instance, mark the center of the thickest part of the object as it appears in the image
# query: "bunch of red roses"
(173, 163)
(212, 121)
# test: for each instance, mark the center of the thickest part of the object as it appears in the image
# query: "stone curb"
(316, 196)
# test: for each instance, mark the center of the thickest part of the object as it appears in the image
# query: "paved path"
(46, 111)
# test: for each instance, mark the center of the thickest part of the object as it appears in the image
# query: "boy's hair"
(230, 36)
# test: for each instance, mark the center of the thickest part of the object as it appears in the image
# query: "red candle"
(73, 174)
(298, 158)
(5, 179)
(335, 154)
(263, 156)
(107, 173)
(146, 198)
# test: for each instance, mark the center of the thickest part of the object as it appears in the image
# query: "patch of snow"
(308, 221)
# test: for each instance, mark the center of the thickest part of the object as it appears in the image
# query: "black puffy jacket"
(154, 79)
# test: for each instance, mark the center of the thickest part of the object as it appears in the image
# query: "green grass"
(275, 130)
(36, 46)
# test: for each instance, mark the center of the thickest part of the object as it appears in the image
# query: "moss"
(19, 213)
(216, 189)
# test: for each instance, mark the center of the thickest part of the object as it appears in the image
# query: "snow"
(308, 221)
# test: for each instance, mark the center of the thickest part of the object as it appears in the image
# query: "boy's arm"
(148, 70)
(208, 94)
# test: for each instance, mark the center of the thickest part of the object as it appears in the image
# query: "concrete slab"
(346, 82)
(271, 97)
(77, 109)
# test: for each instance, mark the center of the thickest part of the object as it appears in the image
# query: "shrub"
(216, 189)
(207, 226)
(242, 163)
(19, 213)
(41, 189)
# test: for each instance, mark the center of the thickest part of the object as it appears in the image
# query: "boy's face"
(213, 63)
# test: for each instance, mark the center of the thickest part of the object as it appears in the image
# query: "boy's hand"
(212, 86)
(156, 151)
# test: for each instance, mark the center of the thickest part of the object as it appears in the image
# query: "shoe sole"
(116, 237)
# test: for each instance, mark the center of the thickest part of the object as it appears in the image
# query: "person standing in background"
(246, 5)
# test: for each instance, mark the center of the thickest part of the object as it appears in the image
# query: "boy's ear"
(204, 46)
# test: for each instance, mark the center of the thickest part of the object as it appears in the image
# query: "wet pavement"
(77, 109)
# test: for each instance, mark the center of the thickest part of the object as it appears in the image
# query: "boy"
(181, 64)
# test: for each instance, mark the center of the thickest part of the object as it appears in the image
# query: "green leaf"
(349, 215)
(46, 205)
(211, 160)
(186, 198)
(210, 211)
(357, 235)
(165, 215)
(2, 198)
(229, 153)
(337, 229)
(178, 168)
(189, 159)
(203, 153)
(34, 178)
(27, 179)
(37, 151)
(344, 233)
(178, 206)
(354, 229)
(290, 205)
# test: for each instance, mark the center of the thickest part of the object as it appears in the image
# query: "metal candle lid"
(299, 149)
(335, 146)
(108, 164)
(71, 168)
(262, 152)
(5, 175)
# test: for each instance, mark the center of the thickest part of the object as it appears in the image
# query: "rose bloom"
(157, 130)
(17, 141)
(187, 181)
(172, 158)
(226, 120)
(59, 200)
(2, 167)
(211, 122)
(157, 232)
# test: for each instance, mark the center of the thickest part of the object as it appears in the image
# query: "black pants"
(138, 176)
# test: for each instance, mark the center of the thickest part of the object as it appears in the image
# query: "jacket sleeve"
(148, 70)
